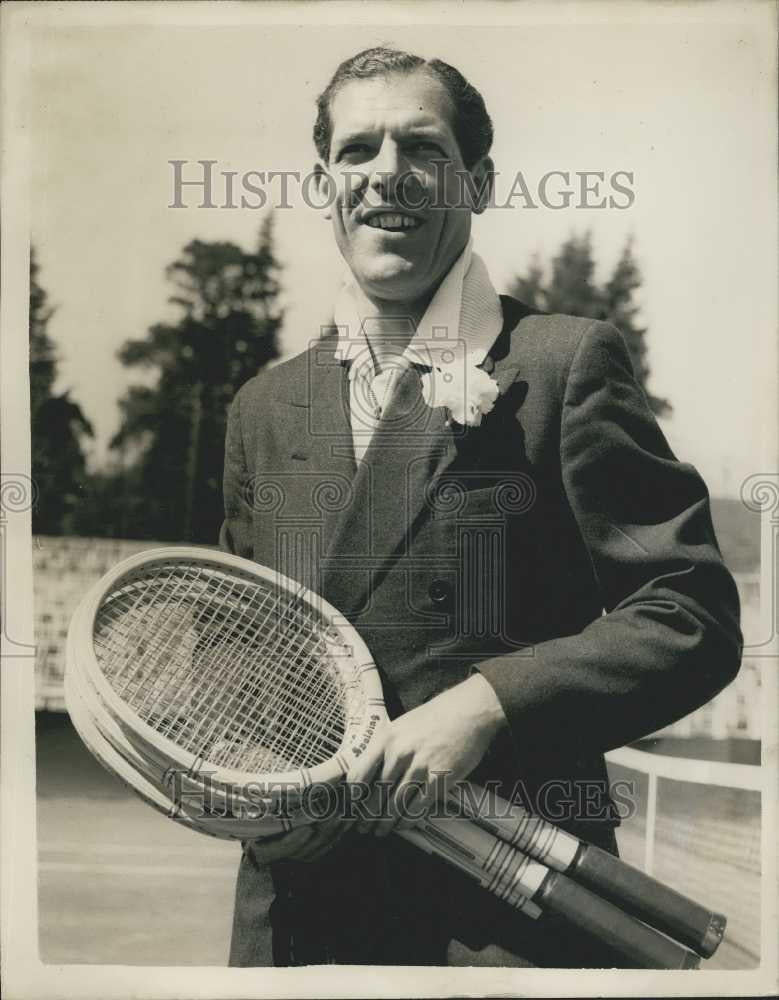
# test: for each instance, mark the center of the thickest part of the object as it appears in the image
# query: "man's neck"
(391, 324)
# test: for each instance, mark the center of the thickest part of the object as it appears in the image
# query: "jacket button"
(440, 591)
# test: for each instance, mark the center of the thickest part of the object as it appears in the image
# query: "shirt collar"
(464, 315)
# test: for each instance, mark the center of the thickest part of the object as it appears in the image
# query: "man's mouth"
(393, 222)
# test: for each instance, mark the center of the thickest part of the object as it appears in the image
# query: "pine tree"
(572, 289)
(620, 309)
(57, 425)
(529, 288)
(172, 433)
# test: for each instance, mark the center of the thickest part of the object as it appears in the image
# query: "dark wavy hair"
(472, 125)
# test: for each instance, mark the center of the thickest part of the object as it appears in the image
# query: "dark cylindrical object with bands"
(643, 945)
(648, 899)
(629, 888)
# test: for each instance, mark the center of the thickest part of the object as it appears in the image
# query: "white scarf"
(464, 315)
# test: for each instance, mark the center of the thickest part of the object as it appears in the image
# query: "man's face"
(397, 167)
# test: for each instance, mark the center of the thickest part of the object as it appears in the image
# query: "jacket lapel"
(412, 447)
(312, 480)
(317, 425)
(372, 530)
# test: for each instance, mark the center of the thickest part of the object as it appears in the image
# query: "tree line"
(163, 480)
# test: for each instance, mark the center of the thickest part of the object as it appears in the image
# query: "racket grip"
(459, 856)
(649, 900)
(627, 887)
(646, 947)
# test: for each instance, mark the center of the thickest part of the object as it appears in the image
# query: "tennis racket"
(125, 765)
(190, 661)
(631, 889)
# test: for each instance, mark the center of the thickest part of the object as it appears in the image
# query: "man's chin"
(395, 280)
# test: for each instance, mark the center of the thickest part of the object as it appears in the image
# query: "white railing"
(749, 777)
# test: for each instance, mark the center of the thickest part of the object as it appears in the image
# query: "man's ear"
(483, 173)
(325, 189)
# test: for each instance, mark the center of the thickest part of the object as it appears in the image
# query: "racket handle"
(629, 888)
(509, 873)
(642, 944)
(649, 900)
(457, 855)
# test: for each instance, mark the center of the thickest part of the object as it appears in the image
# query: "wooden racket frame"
(360, 731)
(472, 853)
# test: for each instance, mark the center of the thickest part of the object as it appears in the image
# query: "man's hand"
(447, 735)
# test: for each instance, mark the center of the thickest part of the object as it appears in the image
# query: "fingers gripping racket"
(190, 660)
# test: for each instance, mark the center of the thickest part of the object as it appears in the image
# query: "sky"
(683, 102)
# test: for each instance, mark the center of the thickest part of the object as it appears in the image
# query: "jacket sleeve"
(669, 639)
(235, 535)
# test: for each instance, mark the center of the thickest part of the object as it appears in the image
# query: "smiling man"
(484, 493)
(391, 143)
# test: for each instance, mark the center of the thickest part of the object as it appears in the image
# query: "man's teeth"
(387, 221)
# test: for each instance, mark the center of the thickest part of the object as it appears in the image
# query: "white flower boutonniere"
(466, 390)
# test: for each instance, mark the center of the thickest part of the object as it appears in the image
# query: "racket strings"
(223, 672)
(298, 646)
(208, 618)
(302, 706)
(144, 642)
(255, 721)
(311, 734)
(258, 722)
(147, 622)
(156, 631)
(199, 655)
(299, 709)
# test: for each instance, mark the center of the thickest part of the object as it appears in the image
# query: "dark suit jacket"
(560, 547)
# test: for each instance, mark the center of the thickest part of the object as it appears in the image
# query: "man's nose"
(386, 168)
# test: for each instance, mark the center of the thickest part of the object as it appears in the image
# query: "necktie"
(395, 390)
(402, 410)
(380, 387)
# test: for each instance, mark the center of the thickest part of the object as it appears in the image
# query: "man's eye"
(355, 150)
(424, 147)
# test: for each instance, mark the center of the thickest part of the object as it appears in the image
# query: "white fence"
(63, 570)
(697, 827)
